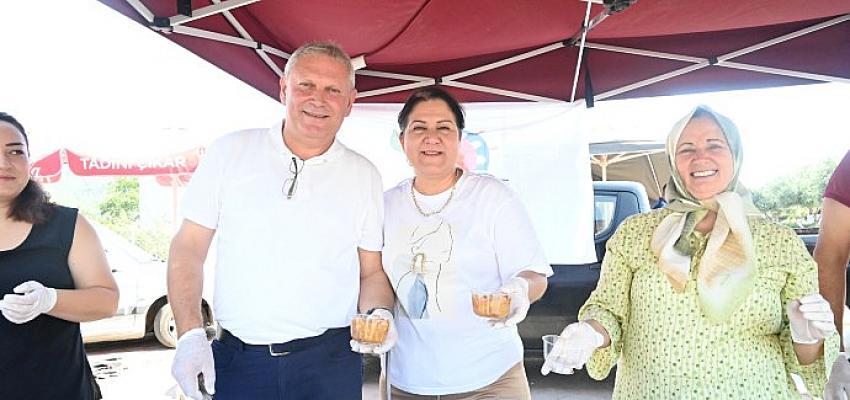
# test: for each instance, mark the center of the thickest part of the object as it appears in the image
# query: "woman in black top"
(53, 275)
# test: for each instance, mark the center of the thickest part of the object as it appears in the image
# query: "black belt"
(282, 349)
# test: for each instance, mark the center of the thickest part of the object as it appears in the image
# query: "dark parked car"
(571, 285)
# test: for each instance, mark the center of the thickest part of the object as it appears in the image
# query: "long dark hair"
(32, 204)
(431, 93)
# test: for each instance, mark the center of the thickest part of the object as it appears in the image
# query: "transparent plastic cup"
(548, 344)
(369, 329)
(493, 305)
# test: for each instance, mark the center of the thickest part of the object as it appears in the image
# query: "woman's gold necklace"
(443, 207)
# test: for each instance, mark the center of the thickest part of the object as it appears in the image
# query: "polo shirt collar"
(279, 147)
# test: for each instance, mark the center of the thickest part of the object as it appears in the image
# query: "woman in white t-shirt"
(447, 233)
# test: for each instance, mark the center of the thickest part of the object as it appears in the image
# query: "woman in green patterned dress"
(703, 299)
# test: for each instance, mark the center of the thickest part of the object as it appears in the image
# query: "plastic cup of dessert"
(491, 305)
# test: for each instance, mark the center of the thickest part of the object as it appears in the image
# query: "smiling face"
(703, 158)
(318, 95)
(431, 139)
(14, 164)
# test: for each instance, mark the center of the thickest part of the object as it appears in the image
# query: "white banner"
(540, 150)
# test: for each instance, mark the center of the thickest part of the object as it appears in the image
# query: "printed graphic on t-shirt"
(423, 275)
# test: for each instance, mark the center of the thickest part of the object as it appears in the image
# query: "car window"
(604, 207)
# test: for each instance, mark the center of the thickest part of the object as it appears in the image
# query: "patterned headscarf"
(726, 273)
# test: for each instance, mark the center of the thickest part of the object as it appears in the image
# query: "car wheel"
(164, 327)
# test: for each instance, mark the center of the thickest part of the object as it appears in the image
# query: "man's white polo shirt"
(286, 268)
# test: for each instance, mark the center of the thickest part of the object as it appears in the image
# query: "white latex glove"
(572, 349)
(838, 387)
(387, 344)
(802, 390)
(517, 288)
(194, 357)
(33, 300)
(810, 318)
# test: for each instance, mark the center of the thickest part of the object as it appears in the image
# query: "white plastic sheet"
(540, 150)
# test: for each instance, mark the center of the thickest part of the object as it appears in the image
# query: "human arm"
(375, 289)
(537, 284)
(811, 361)
(524, 288)
(605, 311)
(95, 294)
(811, 321)
(186, 258)
(523, 268)
(185, 285)
(832, 253)
(376, 295)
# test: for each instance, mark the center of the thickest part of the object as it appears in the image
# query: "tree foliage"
(795, 199)
(119, 211)
(122, 201)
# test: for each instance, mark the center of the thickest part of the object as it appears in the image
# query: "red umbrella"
(171, 170)
(521, 50)
(174, 180)
(180, 163)
(48, 169)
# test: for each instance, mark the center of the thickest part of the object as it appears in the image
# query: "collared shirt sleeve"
(201, 202)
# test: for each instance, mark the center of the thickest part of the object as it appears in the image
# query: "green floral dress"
(666, 349)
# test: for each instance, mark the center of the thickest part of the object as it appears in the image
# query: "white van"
(142, 307)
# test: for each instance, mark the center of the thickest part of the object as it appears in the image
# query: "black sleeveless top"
(43, 358)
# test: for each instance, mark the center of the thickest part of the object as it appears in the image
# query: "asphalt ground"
(140, 370)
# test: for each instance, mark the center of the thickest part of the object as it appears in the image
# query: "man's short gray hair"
(329, 49)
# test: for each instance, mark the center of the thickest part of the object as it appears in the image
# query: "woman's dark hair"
(426, 94)
(32, 204)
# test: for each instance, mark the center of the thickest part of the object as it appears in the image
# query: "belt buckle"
(276, 353)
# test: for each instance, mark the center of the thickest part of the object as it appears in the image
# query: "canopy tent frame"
(604, 154)
(603, 161)
(176, 25)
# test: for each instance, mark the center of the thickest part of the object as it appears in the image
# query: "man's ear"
(352, 98)
(283, 89)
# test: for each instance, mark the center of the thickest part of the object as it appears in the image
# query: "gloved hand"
(194, 357)
(838, 386)
(33, 300)
(517, 288)
(572, 349)
(389, 341)
(810, 318)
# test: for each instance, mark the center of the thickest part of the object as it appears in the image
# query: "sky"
(84, 77)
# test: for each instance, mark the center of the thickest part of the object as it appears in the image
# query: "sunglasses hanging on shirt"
(290, 185)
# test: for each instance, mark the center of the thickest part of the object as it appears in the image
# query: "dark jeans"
(322, 367)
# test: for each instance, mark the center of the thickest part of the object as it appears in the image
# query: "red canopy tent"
(521, 50)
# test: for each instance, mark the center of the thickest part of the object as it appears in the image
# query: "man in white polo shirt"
(298, 218)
